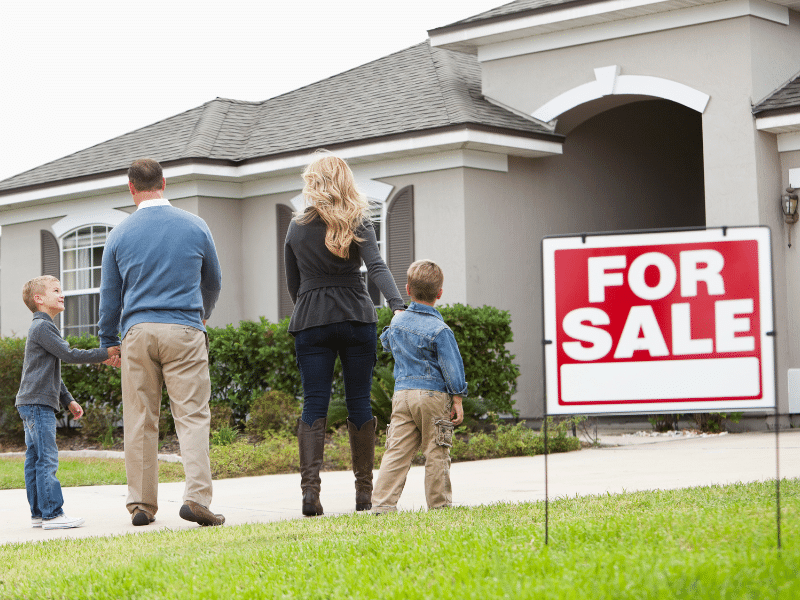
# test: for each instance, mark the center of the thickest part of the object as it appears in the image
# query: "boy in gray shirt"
(41, 394)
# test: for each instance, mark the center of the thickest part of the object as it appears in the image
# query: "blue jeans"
(317, 348)
(41, 461)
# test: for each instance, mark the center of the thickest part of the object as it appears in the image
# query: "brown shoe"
(141, 517)
(197, 513)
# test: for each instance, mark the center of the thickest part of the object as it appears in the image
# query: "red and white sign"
(659, 322)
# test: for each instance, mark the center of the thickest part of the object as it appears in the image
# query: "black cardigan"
(328, 289)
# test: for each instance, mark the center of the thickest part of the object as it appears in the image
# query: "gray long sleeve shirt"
(41, 371)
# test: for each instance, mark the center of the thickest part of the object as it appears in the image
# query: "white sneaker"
(62, 522)
(36, 521)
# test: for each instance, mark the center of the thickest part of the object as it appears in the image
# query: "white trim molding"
(789, 142)
(80, 219)
(794, 178)
(780, 124)
(609, 82)
(597, 22)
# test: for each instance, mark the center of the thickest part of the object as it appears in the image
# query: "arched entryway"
(637, 165)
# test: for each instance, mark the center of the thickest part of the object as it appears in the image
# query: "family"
(161, 279)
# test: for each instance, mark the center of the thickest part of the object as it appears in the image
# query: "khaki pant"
(154, 354)
(414, 424)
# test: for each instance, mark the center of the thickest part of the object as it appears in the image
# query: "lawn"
(82, 471)
(702, 543)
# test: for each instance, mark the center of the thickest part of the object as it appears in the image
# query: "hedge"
(245, 361)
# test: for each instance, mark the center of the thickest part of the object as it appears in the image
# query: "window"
(81, 259)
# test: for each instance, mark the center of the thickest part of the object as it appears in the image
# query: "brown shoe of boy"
(197, 513)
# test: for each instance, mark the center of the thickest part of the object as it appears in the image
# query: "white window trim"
(74, 222)
(111, 218)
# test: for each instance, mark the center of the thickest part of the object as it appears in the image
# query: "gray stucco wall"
(636, 166)
(440, 226)
(224, 219)
(259, 247)
(20, 261)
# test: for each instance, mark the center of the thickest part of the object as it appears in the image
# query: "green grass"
(233, 456)
(703, 543)
(82, 471)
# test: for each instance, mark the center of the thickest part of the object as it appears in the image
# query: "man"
(160, 281)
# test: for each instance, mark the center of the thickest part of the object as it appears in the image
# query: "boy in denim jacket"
(429, 384)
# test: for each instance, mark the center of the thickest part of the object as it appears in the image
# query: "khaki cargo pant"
(420, 418)
(154, 354)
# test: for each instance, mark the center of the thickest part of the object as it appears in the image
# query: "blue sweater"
(159, 266)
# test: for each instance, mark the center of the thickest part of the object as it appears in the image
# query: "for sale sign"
(675, 321)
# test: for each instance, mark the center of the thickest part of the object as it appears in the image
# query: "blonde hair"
(331, 190)
(425, 279)
(37, 285)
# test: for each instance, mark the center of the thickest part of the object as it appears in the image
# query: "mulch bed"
(73, 440)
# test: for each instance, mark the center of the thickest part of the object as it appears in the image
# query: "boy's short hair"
(146, 175)
(425, 279)
(37, 285)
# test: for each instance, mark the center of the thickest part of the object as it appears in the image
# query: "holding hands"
(113, 357)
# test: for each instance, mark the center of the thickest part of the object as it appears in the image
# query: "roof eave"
(467, 136)
(783, 120)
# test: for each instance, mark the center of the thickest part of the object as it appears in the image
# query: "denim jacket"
(425, 351)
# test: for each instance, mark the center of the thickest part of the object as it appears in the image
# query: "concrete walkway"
(623, 463)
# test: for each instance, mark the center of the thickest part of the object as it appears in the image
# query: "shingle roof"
(416, 89)
(512, 8)
(786, 97)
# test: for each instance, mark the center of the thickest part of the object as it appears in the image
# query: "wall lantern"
(789, 209)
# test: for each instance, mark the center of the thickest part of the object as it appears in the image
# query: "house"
(538, 117)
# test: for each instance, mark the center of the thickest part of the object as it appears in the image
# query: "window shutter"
(51, 261)
(400, 236)
(51, 265)
(284, 217)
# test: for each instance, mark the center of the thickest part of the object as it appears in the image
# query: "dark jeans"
(317, 348)
(41, 461)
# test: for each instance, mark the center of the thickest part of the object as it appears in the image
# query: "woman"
(334, 316)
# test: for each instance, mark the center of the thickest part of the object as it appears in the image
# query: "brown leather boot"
(362, 450)
(312, 444)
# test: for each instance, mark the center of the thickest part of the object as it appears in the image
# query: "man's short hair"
(425, 279)
(146, 175)
(37, 285)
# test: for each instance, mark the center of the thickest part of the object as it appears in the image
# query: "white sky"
(76, 73)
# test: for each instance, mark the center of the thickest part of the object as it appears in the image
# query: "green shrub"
(482, 335)
(278, 453)
(221, 416)
(12, 355)
(273, 411)
(715, 422)
(259, 355)
(224, 436)
(253, 356)
(514, 440)
(99, 424)
(166, 423)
